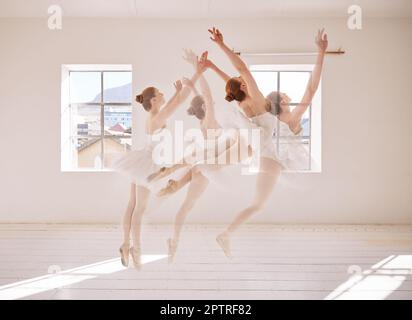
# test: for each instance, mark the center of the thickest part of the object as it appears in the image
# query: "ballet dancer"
(223, 151)
(244, 90)
(202, 107)
(138, 164)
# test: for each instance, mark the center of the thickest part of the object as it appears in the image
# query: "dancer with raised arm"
(294, 156)
(224, 141)
(138, 164)
(202, 107)
(244, 90)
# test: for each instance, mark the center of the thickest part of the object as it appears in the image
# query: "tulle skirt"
(137, 165)
(294, 157)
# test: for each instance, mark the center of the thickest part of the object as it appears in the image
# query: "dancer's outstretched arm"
(238, 63)
(224, 76)
(171, 104)
(210, 119)
(181, 93)
(191, 58)
(313, 83)
(188, 83)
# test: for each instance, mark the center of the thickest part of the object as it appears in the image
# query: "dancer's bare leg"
(174, 186)
(127, 218)
(197, 186)
(232, 154)
(126, 223)
(219, 161)
(184, 180)
(265, 182)
(236, 151)
(142, 195)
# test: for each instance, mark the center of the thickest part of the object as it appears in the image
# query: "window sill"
(85, 170)
(301, 171)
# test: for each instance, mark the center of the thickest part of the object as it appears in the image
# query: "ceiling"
(196, 9)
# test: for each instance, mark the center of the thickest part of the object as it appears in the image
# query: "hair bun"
(139, 98)
(230, 97)
(274, 99)
(191, 111)
(240, 96)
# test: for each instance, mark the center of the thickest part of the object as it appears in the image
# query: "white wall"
(366, 116)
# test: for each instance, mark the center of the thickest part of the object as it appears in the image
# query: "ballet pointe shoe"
(224, 242)
(136, 257)
(124, 255)
(172, 247)
(169, 189)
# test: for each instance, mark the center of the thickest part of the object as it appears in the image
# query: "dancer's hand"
(217, 36)
(202, 62)
(322, 40)
(208, 63)
(178, 86)
(190, 57)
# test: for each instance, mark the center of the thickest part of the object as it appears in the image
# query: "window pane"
(117, 120)
(84, 86)
(114, 146)
(88, 152)
(305, 123)
(85, 119)
(117, 87)
(294, 84)
(266, 81)
(118, 132)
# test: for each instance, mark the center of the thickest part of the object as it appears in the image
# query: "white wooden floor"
(271, 262)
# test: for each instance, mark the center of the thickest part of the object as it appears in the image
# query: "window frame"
(73, 136)
(277, 70)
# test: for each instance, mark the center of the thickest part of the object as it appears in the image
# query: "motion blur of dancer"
(226, 148)
(138, 164)
(244, 90)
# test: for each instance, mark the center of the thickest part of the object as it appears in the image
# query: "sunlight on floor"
(376, 283)
(37, 285)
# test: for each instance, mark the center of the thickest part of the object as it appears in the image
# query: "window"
(96, 115)
(303, 151)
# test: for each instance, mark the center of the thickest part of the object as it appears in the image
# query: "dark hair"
(233, 91)
(274, 99)
(145, 97)
(196, 107)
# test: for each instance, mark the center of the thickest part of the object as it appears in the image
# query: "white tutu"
(292, 153)
(265, 122)
(137, 165)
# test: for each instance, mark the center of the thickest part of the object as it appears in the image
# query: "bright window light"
(376, 283)
(48, 282)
